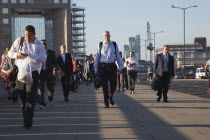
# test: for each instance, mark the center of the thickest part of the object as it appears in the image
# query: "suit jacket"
(159, 65)
(67, 67)
(51, 61)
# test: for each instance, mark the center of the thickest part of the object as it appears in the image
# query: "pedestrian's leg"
(165, 86)
(50, 86)
(104, 78)
(41, 89)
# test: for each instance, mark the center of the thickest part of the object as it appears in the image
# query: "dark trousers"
(150, 75)
(120, 81)
(132, 79)
(27, 94)
(108, 73)
(125, 78)
(65, 81)
(48, 79)
(163, 85)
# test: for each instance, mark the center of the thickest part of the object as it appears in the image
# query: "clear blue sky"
(127, 18)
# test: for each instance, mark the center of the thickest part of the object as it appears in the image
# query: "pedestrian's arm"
(120, 61)
(205, 69)
(96, 61)
(13, 52)
(40, 57)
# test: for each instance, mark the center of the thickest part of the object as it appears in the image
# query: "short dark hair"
(132, 52)
(31, 29)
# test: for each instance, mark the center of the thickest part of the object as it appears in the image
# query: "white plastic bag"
(24, 71)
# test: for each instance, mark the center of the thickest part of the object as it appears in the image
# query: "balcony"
(78, 21)
(76, 9)
(77, 15)
(78, 33)
(78, 40)
(79, 52)
(78, 27)
(78, 46)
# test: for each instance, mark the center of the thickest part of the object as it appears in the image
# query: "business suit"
(66, 70)
(164, 73)
(46, 76)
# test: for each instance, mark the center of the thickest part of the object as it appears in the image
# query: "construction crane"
(149, 41)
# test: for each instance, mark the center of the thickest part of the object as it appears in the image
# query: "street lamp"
(184, 9)
(154, 33)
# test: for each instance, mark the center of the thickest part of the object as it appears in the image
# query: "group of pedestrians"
(108, 65)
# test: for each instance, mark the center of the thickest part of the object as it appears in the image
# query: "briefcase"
(154, 84)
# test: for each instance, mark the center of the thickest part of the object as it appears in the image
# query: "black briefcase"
(154, 84)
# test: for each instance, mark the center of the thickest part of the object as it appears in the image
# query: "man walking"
(33, 48)
(208, 72)
(48, 71)
(107, 54)
(164, 71)
(64, 61)
(132, 65)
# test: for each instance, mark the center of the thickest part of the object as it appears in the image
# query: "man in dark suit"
(64, 61)
(48, 70)
(164, 71)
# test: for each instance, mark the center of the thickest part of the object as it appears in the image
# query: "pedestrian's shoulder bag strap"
(21, 44)
(100, 47)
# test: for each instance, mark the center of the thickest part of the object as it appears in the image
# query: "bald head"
(106, 36)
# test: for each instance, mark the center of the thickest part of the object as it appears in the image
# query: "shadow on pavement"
(76, 120)
(146, 125)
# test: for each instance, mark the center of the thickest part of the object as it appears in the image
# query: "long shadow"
(75, 120)
(146, 125)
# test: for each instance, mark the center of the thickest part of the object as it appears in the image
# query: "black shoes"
(111, 101)
(66, 100)
(28, 125)
(165, 101)
(158, 99)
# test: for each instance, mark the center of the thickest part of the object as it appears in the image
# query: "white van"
(200, 73)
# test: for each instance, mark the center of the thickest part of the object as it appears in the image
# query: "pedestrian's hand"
(54, 73)
(21, 55)
(95, 73)
(120, 71)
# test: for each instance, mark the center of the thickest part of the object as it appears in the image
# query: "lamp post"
(184, 9)
(145, 41)
(154, 33)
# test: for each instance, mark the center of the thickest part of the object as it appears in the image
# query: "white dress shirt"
(35, 49)
(131, 61)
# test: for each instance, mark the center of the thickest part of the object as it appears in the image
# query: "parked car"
(179, 75)
(200, 74)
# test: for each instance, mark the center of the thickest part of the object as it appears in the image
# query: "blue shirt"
(108, 55)
(165, 68)
(63, 57)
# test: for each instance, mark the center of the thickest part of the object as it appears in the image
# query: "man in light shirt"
(34, 49)
(107, 54)
(132, 65)
(207, 71)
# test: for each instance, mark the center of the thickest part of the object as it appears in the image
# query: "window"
(5, 10)
(4, 1)
(48, 1)
(64, 1)
(22, 1)
(30, 1)
(13, 1)
(5, 21)
(56, 1)
(5, 30)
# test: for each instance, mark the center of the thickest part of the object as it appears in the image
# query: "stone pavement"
(134, 117)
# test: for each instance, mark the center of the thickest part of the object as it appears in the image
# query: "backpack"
(8, 70)
(101, 44)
